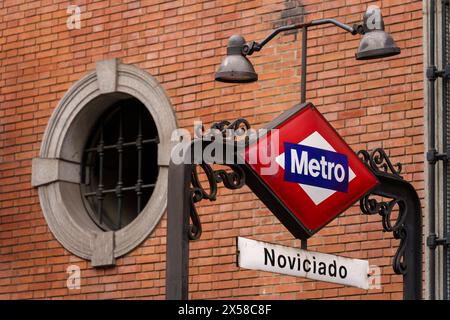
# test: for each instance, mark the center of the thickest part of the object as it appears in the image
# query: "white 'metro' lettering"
(315, 168)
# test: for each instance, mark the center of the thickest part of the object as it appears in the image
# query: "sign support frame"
(185, 190)
(407, 228)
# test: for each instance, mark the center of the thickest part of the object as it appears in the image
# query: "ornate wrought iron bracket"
(234, 179)
(407, 227)
(231, 180)
(186, 190)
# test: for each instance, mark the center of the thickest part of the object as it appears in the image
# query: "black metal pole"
(304, 63)
(177, 255)
(304, 242)
(184, 190)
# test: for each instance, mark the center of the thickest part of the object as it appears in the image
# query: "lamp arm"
(250, 47)
(353, 30)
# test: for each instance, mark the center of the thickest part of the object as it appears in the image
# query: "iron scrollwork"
(234, 179)
(379, 163)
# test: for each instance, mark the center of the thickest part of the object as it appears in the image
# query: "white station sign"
(257, 255)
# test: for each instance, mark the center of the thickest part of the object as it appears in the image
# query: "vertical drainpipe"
(445, 145)
(432, 152)
(445, 119)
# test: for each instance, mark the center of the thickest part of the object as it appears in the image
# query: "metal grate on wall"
(446, 139)
(119, 169)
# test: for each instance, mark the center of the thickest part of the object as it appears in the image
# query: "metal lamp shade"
(376, 44)
(236, 68)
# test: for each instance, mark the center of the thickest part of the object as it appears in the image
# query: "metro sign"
(318, 176)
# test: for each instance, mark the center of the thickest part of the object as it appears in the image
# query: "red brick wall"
(181, 43)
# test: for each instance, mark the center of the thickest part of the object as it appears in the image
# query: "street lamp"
(375, 43)
(185, 188)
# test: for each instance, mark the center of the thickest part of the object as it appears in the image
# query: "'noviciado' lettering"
(295, 263)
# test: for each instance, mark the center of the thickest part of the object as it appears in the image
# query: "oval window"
(120, 164)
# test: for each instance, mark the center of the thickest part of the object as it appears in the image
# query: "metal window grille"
(119, 167)
(446, 137)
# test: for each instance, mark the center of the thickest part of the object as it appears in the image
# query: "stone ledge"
(46, 171)
(103, 254)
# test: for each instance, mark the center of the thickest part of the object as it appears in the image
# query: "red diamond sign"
(304, 171)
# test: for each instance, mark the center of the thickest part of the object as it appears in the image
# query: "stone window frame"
(56, 172)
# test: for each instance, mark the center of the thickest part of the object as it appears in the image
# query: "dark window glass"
(120, 167)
